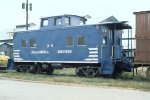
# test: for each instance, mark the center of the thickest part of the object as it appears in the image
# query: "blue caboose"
(68, 41)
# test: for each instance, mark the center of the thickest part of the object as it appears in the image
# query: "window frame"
(55, 21)
(72, 40)
(104, 38)
(24, 43)
(82, 22)
(33, 43)
(84, 41)
(43, 21)
(68, 19)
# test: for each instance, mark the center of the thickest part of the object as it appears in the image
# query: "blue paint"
(103, 44)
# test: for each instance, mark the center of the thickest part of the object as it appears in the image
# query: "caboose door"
(107, 49)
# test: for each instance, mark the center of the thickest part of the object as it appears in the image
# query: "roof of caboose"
(117, 25)
(65, 15)
(112, 22)
(110, 19)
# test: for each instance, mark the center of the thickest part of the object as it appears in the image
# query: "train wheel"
(49, 70)
(21, 68)
(18, 69)
(148, 73)
(79, 72)
(24, 68)
(32, 69)
(91, 72)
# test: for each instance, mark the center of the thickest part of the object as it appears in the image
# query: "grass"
(67, 76)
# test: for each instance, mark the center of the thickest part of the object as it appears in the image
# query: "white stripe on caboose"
(93, 52)
(93, 48)
(16, 53)
(16, 56)
(18, 59)
(16, 50)
(91, 59)
(93, 55)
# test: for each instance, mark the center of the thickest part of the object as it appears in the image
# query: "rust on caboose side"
(142, 37)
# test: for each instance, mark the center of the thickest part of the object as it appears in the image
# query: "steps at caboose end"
(107, 67)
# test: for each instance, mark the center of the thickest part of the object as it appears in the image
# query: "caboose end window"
(104, 41)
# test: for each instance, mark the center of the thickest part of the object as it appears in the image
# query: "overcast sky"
(12, 14)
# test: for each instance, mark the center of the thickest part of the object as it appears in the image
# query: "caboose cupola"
(62, 21)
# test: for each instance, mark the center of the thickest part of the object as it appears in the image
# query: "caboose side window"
(24, 43)
(69, 41)
(45, 22)
(32, 43)
(82, 22)
(57, 21)
(67, 20)
(81, 41)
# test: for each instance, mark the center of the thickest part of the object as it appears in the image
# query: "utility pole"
(27, 7)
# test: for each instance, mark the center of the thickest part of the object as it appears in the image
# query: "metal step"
(107, 67)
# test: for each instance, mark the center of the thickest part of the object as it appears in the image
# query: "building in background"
(6, 48)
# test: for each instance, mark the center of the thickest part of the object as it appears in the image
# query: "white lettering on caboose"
(39, 52)
(64, 51)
